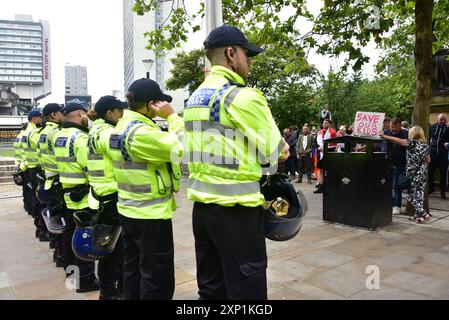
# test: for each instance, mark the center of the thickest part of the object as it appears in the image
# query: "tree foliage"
(342, 28)
(187, 71)
(249, 15)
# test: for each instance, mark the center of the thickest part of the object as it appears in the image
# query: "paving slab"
(325, 261)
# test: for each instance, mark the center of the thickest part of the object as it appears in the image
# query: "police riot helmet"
(54, 220)
(92, 241)
(285, 207)
(41, 194)
(18, 178)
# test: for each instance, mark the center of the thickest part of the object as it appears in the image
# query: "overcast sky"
(90, 33)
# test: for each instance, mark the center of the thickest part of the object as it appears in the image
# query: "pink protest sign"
(368, 123)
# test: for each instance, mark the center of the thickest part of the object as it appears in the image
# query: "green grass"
(6, 151)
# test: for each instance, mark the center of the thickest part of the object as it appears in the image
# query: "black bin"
(357, 186)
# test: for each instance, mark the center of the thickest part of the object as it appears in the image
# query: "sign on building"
(83, 100)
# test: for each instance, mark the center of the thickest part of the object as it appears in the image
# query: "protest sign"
(368, 123)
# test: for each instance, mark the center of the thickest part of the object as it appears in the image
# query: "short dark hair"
(396, 120)
(387, 119)
(132, 104)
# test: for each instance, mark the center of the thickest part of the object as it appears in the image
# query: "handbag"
(404, 181)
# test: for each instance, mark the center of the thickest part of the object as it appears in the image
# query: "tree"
(402, 27)
(287, 84)
(187, 71)
(249, 15)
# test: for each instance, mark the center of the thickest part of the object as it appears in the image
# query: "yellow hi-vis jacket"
(18, 151)
(231, 140)
(100, 167)
(46, 150)
(146, 165)
(71, 156)
(29, 145)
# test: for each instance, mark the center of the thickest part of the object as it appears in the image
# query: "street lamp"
(148, 63)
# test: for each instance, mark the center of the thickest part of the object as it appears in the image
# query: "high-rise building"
(76, 85)
(135, 49)
(25, 61)
(76, 80)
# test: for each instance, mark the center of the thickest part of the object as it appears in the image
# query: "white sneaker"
(396, 210)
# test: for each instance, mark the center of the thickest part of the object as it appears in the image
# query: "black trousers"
(230, 251)
(24, 190)
(291, 164)
(110, 268)
(305, 166)
(34, 203)
(439, 162)
(148, 270)
(86, 268)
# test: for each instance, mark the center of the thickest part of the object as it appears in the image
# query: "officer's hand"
(163, 109)
(285, 154)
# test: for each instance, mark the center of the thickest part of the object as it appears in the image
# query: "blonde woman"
(418, 158)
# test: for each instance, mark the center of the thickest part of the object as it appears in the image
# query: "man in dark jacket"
(399, 161)
(439, 136)
(303, 151)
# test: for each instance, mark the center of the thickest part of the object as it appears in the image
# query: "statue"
(441, 72)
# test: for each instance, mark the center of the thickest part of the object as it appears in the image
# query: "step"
(6, 179)
(7, 173)
(8, 167)
(7, 162)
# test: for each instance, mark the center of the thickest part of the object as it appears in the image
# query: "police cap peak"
(230, 36)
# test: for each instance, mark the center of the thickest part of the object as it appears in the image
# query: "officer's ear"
(230, 53)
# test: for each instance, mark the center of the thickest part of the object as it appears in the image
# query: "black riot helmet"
(54, 219)
(18, 178)
(285, 207)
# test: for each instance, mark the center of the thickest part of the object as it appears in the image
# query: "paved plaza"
(325, 261)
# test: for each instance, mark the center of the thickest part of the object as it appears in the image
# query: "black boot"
(44, 236)
(91, 286)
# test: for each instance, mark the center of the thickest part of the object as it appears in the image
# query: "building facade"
(25, 61)
(135, 51)
(76, 80)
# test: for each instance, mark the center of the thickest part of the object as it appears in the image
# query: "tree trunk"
(424, 67)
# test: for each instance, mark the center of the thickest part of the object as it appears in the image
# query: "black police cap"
(50, 108)
(108, 103)
(145, 90)
(33, 114)
(70, 107)
(230, 36)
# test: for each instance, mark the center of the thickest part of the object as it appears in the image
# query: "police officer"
(231, 137)
(103, 199)
(71, 156)
(29, 145)
(146, 179)
(21, 163)
(54, 117)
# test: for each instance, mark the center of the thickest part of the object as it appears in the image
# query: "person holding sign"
(398, 161)
(418, 157)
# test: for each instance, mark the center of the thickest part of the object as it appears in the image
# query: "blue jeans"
(397, 192)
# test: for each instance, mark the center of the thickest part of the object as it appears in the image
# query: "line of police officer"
(116, 183)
